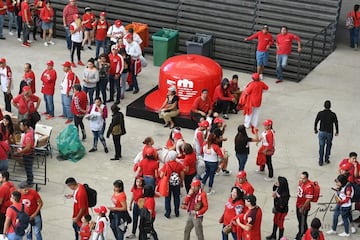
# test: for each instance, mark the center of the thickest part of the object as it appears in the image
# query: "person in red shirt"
(27, 22)
(28, 78)
(119, 205)
(87, 21)
(147, 205)
(242, 183)
(79, 105)
(101, 26)
(4, 154)
(81, 204)
(266, 149)
(137, 193)
(189, 163)
(196, 204)
(32, 200)
(251, 98)
(149, 167)
(283, 49)
(223, 99)
(10, 4)
(47, 17)
(116, 68)
(235, 91)
(314, 232)
(85, 229)
(25, 103)
(304, 195)
(69, 10)
(48, 78)
(233, 207)
(6, 189)
(265, 41)
(201, 107)
(354, 31)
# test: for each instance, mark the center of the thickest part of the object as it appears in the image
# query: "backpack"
(22, 225)
(349, 22)
(174, 178)
(316, 194)
(91, 195)
(145, 220)
(356, 193)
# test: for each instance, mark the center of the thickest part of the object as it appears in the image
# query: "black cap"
(266, 26)
(24, 185)
(251, 199)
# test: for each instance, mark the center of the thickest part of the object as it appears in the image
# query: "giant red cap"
(101, 209)
(2, 60)
(218, 120)
(50, 63)
(118, 23)
(196, 183)
(255, 76)
(267, 122)
(241, 174)
(67, 64)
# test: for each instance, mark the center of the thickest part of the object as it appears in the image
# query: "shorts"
(262, 58)
(88, 29)
(46, 25)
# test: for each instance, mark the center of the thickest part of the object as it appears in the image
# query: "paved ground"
(292, 106)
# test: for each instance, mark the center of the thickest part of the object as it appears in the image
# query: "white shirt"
(117, 32)
(76, 36)
(64, 85)
(209, 154)
(134, 50)
(96, 118)
(4, 79)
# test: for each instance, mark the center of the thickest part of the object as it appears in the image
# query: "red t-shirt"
(5, 196)
(78, 102)
(2, 12)
(264, 40)
(28, 140)
(30, 200)
(48, 77)
(11, 213)
(24, 105)
(4, 150)
(284, 42)
(255, 90)
(7, 202)
(222, 94)
(234, 86)
(232, 209)
(25, 8)
(47, 14)
(88, 18)
(256, 217)
(10, 6)
(200, 104)
(150, 205)
(29, 77)
(85, 232)
(356, 17)
(305, 191)
(172, 166)
(190, 161)
(149, 167)
(246, 187)
(80, 201)
(101, 28)
(137, 193)
(118, 199)
(351, 170)
(69, 12)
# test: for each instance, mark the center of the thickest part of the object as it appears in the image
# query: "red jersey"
(79, 102)
(2, 12)
(351, 170)
(284, 42)
(254, 218)
(5, 197)
(4, 150)
(116, 64)
(232, 209)
(101, 28)
(356, 17)
(190, 161)
(307, 235)
(68, 13)
(149, 167)
(25, 9)
(30, 200)
(246, 187)
(137, 193)
(305, 192)
(222, 94)
(80, 202)
(202, 105)
(48, 78)
(172, 166)
(85, 232)
(265, 40)
(150, 205)
(234, 86)
(11, 213)
(118, 199)
(26, 105)
(29, 77)
(10, 5)
(255, 90)
(47, 14)
(87, 20)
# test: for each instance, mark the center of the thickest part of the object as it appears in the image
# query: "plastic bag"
(69, 144)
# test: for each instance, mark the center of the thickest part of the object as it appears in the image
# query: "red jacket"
(116, 64)
(191, 200)
(255, 90)
(222, 94)
(264, 40)
(46, 15)
(79, 102)
(48, 77)
(30, 77)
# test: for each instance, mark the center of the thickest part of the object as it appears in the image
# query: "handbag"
(116, 130)
(163, 186)
(227, 229)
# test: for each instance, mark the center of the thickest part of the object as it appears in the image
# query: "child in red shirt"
(137, 193)
(85, 229)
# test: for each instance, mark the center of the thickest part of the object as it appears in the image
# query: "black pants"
(77, 46)
(302, 220)
(143, 233)
(269, 165)
(188, 179)
(2, 221)
(78, 120)
(117, 144)
(28, 165)
(222, 106)
(19, 23)
(101, 88)
(7, 101)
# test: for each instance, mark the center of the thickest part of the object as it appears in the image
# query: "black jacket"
(117, 118)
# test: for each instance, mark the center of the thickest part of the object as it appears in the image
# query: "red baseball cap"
(195, 183)
(267, 122)
(203, 123)
(241, 174)
(50, 63)
(101, 209)
(102, 14)
(2, 60)
(178, 136)
(149, 151)
(255, 76)
(345, 166)
(67, 64)
(75, 16)
(218, 120)
(26, 89)
(128, 36)
(118, 23)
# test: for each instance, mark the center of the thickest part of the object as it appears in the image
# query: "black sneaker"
(106, 150)
(114, 159)
(89, 48)
(225, 116)
(93, 150)
(128, 90)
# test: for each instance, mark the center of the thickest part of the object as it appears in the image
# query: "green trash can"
(165, 44)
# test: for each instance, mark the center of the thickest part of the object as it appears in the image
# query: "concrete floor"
(291, 106)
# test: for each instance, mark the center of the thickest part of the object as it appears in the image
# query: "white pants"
(253, 118)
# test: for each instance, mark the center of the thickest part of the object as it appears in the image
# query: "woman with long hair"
(7, 129)
(242, 148)
(137, 192)
(119, 205)
(189, 163)
(148, 205)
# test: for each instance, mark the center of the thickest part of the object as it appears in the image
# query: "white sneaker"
(259, 172)
(29, 41)
(353, 230)
(19, 39)
(331, 232)
(340, 223)
(261, 76)
(46, 44)
(51, 42)
(269, 179)
(212, 192)
(131, 236)
(11, 33)
(344, 234)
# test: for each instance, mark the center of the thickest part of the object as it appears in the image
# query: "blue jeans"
(262, 58)
(66, 102)
(37, 227)
(242, 158)
(175, 192)
(26, 32)
(325, 138)
(28, 165)
(12, 20)
(1, 25)
(76, 230)
(123, 79)
(90, 92)
(68, 38)
(49, 104)
(4, 165)
(101, 88)
(150, 181)
(345, 213)
(210, 170)
(99, 135)
(134, 84)
(114, 225)
(19, 26)
(135, 217)
(281, 62)
(99, 44)
(112, 86)
(226, 236)
(354, 36)
(13, 236)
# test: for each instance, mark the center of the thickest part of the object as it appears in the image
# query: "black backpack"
(356, 189)
(145, 220)
(22, 221)
(91, 195)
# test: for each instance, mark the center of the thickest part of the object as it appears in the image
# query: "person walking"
(26, 19)
(327, 119)
(97, 117)
(48, 78)
(6, 83)
(69, 11)
(354, 28)
(265, 40)
(242, 148)
(117, 129)
(79, 105)
(281, 195)
(283, 49)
